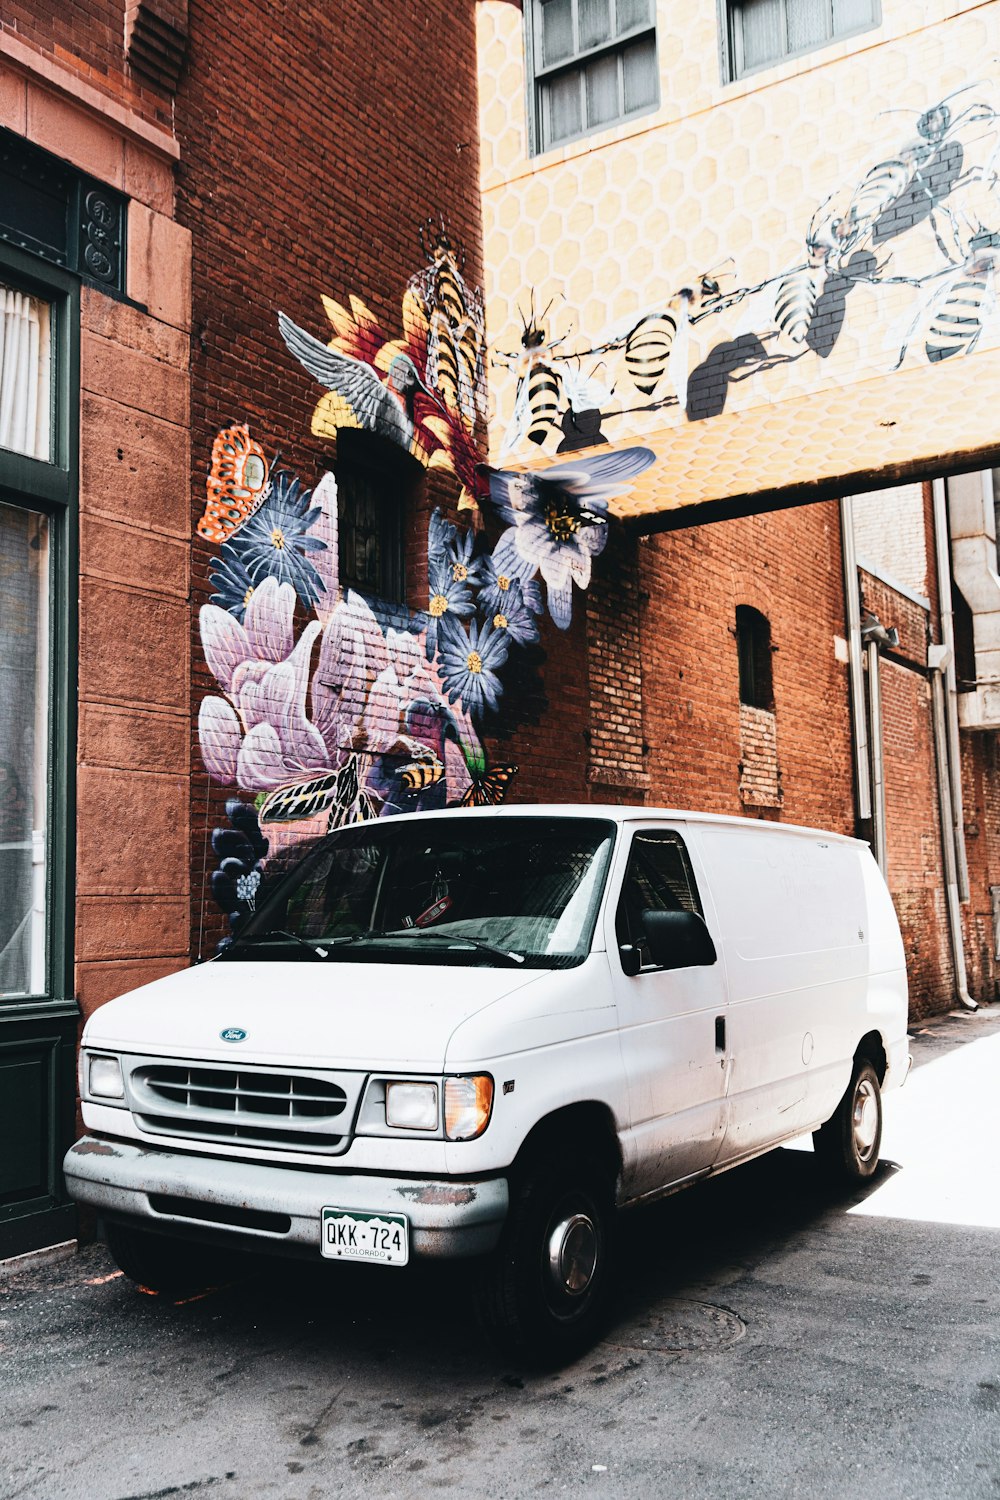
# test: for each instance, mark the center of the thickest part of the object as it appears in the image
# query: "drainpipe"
(938, 658)
(855, 659)
(942, 549)
(874, 635)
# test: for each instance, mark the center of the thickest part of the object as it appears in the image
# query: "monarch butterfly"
(237, 483)
(489, 789)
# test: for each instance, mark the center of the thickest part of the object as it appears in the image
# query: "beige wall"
(729, 177)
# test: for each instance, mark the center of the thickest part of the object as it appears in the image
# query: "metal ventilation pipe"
(874, 636)
(855, 659)
(942, 550)
(938, 658)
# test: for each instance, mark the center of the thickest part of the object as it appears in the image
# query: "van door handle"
(720, 1033)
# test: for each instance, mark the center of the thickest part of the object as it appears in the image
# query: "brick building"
(352, 620)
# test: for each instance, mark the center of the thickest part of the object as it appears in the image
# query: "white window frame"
(731, 43)
(538, 75)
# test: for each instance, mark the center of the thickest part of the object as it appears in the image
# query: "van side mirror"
(678, 939)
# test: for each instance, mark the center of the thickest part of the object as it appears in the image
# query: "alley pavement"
(770, 1338)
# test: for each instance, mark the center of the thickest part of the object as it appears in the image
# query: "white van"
(526, 1018)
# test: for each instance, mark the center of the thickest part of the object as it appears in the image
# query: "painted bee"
(888, 181)
(539, 382)
(961, 305)
(455, 326)
(419, 775)
(661, 339)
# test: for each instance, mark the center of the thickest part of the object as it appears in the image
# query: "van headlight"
(467, 1106)
(411, 1106)
(104, 1077)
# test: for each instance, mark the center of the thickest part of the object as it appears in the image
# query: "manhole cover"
(680, 1327)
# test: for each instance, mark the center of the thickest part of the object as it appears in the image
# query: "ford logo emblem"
(233, 1034)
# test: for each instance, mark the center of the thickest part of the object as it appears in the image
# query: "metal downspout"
(937, 660)
(877, 762)
(855, 659)
(942, 548)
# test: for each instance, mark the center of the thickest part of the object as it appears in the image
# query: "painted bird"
(390, 402)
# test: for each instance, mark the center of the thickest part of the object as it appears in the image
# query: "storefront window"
(25, 374)
(24, 739)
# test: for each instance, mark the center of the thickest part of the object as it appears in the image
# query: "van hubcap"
(865, 1119)
(572, 1257)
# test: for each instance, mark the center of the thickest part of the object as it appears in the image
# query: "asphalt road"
(767, 1340)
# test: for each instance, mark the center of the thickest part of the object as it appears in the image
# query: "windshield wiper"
(281, 932)
(376, 935)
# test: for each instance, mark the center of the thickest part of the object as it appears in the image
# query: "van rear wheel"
(543, 1293)
(849, 1143)
(161, 1263)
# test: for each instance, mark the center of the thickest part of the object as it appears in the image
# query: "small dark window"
(658, 878)
(753, 643)
(374, 485)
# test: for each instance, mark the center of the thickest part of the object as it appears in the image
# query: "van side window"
(658, 878)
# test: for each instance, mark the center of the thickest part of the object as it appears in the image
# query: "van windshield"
(505, 891)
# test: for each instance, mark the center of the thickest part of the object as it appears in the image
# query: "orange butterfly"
(237, 483)
(489, 789)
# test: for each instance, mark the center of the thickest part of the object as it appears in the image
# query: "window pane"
(808, 23)
(25, 365)
(595, 23)
(759, 33)
(641, 78)
(632, 13)
(562, 112)
(602, 91)
(852, 15)
(23, 749)
(557, 31)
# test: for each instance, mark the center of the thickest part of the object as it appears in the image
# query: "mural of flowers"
(275, 541)
(560, 518)
(471, 666)
(326, 711)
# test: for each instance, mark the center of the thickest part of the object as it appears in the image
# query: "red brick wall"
(788, 566)
(88, 38)
(309, 161)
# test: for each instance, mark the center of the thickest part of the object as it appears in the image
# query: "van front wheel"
(543, 1292)
(163, 1264)
(849, 1143)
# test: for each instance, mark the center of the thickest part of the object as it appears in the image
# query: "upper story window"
(593, 62)
(762, 32)
(26, 409)
(753, 645)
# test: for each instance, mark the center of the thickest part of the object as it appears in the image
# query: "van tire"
(848, 1144)
(560, 1230)
(160, 1263)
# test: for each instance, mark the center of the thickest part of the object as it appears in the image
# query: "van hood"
(341, 1015)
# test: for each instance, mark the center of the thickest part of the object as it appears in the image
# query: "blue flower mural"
(471, 664)
(275, 541)
(232, 583)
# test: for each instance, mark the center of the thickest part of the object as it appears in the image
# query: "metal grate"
(236, 1104)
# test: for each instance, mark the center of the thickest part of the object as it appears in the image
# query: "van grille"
(307, 1111)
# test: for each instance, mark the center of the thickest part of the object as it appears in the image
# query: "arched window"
(753, 645)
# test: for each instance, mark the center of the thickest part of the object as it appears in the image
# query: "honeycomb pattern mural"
(764, 281)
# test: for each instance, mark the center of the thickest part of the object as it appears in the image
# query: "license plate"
(380, 1238)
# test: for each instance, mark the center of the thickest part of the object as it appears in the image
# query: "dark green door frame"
(38, 1032)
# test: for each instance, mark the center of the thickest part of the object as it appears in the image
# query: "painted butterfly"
(490, 789)
(237, 483)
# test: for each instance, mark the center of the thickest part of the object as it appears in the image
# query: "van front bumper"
(247, 1203)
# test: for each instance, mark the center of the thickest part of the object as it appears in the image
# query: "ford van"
(483, 1033)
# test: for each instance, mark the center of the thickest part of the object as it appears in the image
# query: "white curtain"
(25, 374)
